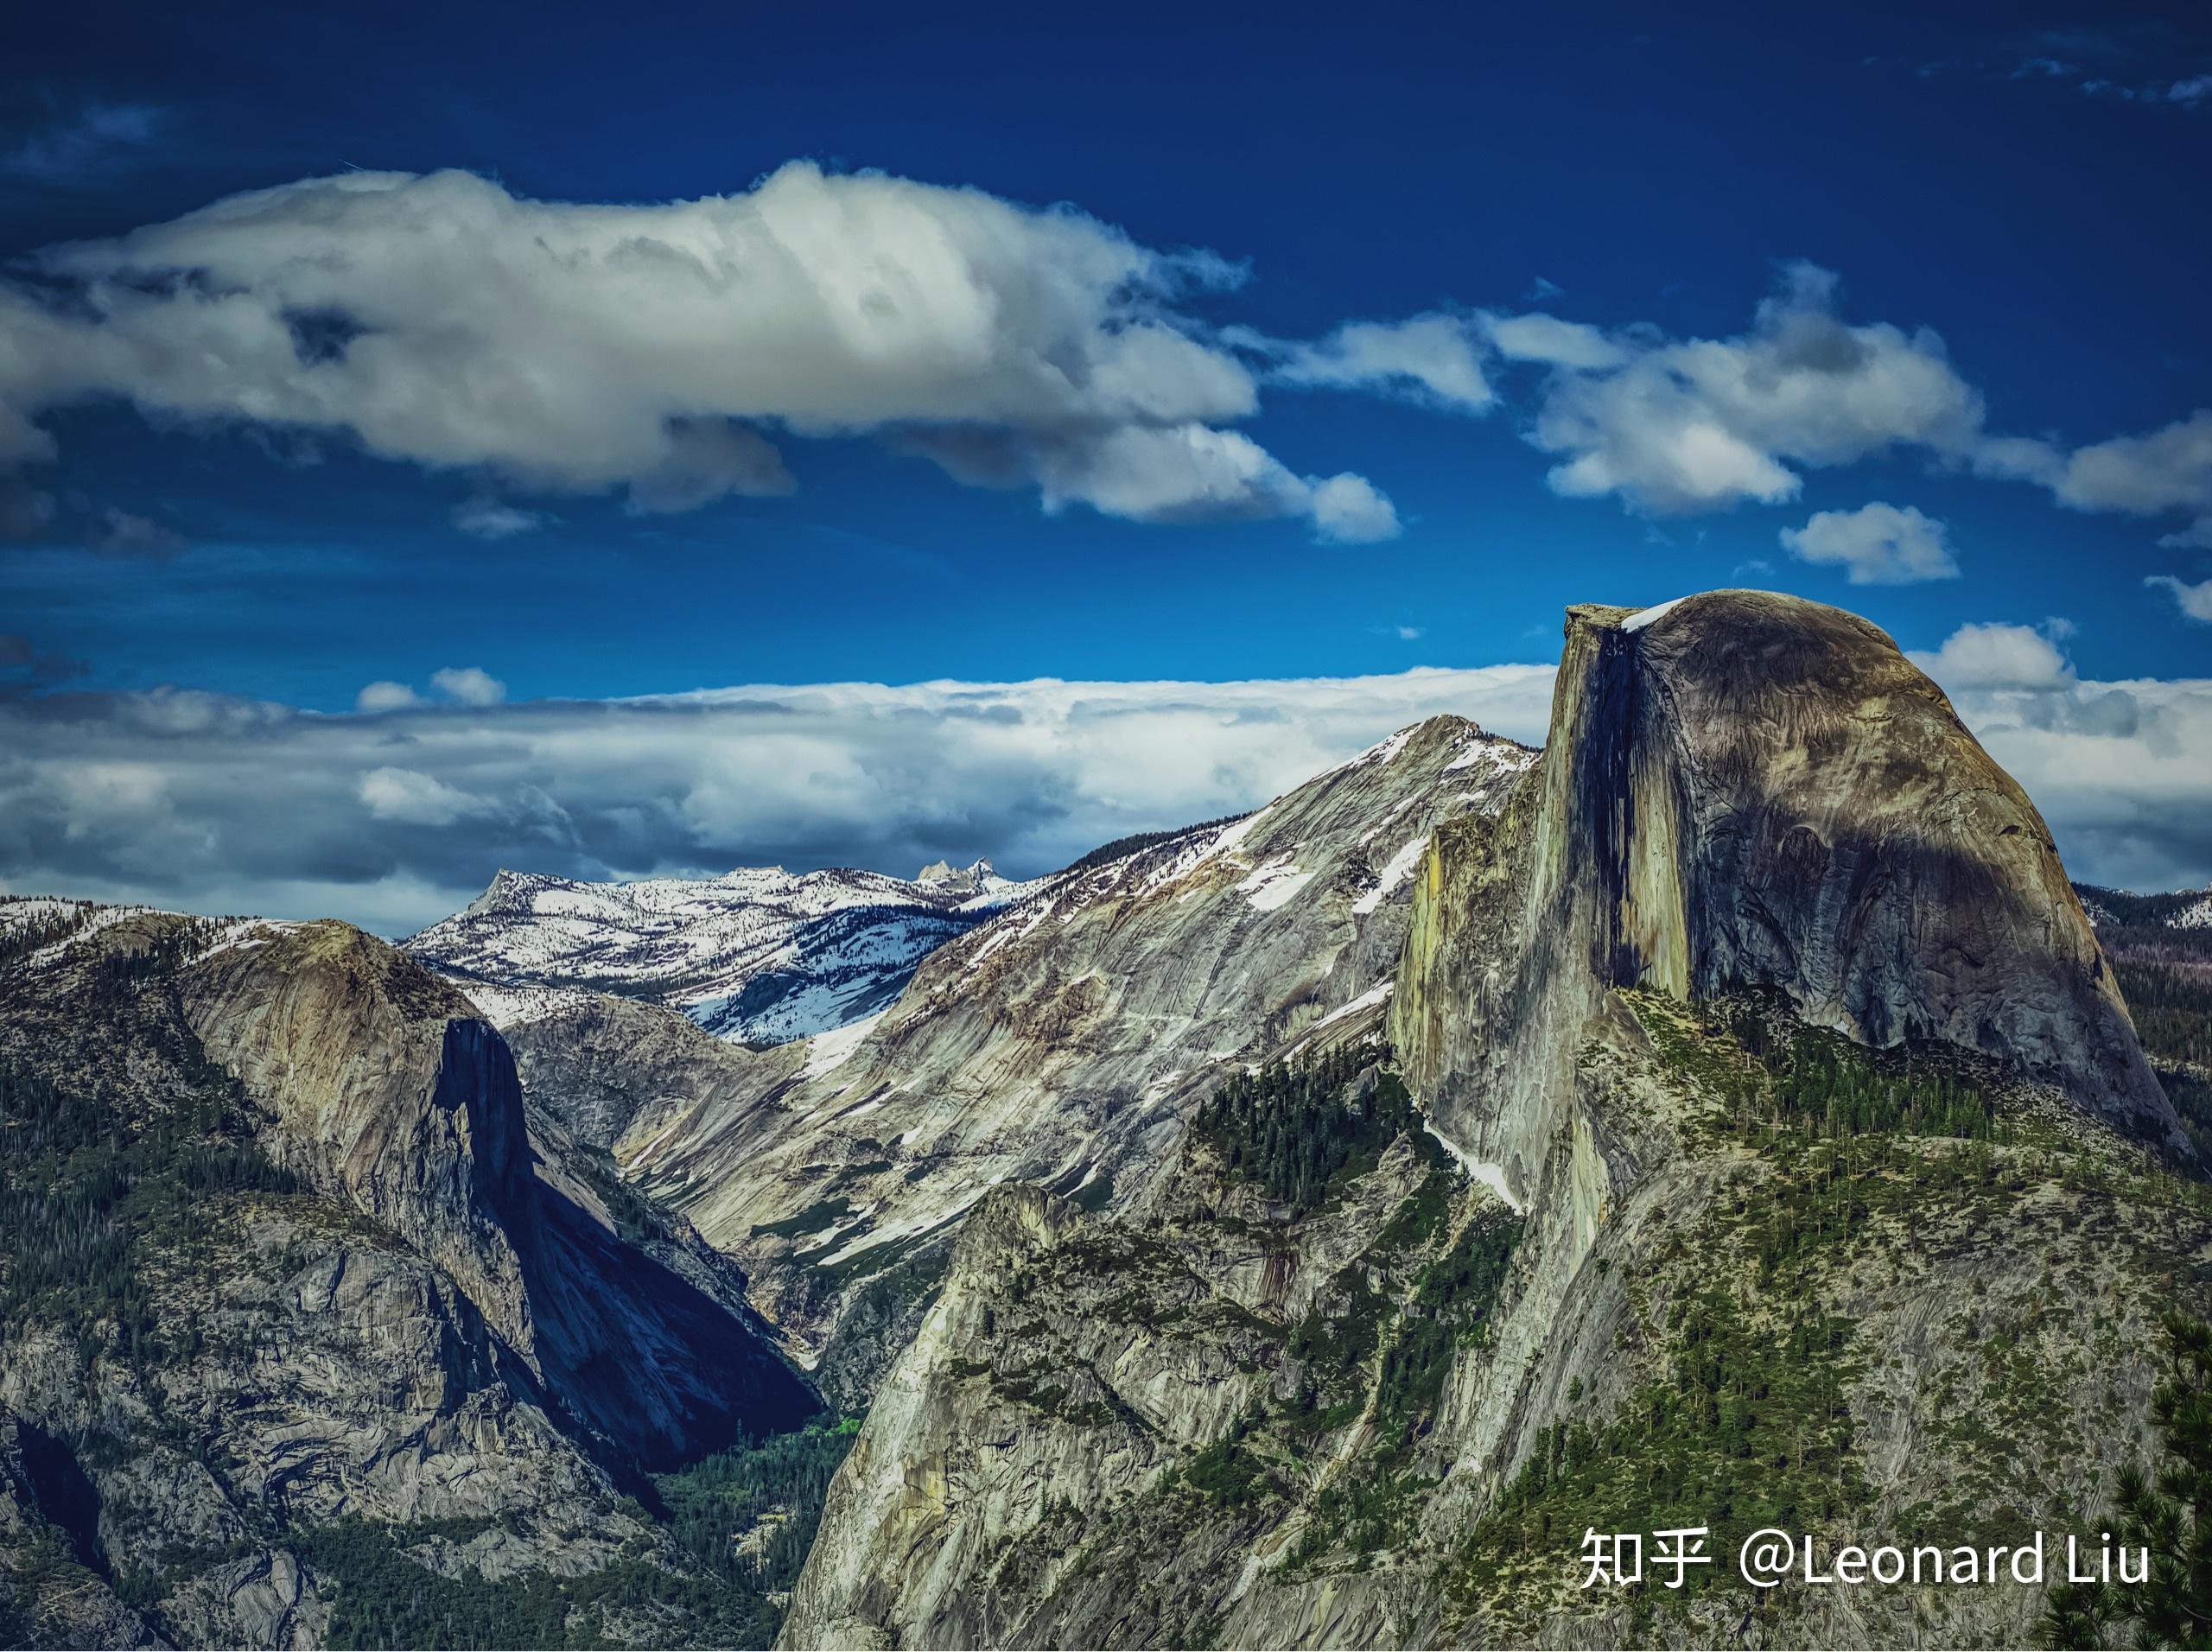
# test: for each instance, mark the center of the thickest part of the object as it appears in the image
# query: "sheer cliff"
(1294, 1230)
(1748, 791)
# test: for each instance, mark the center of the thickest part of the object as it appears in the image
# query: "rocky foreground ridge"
(1290, 1231)
(308, 1316)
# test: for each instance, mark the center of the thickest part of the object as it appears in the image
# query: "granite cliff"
(301, 1307)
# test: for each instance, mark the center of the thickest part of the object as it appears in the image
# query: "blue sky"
(2007, 205)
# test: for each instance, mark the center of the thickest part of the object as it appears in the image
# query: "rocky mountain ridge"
(1062, 1041)
(363, 1323)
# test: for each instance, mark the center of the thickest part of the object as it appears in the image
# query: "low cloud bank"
(397, 814)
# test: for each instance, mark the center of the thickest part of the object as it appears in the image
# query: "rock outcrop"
(302, 1304)
(390, 1093)
(1724, 1116)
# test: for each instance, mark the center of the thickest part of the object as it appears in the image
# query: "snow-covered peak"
(964, 880)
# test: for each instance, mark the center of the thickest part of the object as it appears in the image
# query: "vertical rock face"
(1199, 1416)
(1749, 791)
(390, 1093)
(356, 1315)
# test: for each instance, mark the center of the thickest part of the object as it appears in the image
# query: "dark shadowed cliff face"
(359, 1334)
(393, 1095)
(1744, 790)
(389, 1094)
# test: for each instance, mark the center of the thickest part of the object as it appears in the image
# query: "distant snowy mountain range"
(2182, 909)
(761, 956)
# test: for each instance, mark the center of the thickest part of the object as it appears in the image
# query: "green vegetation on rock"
(2167, 1511)
(1292, 1129)
(99, 1172)
(748, 1514)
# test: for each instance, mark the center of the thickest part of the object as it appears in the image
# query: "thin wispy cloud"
(77, 144)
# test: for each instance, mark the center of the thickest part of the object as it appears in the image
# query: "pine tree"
(2171, 1515)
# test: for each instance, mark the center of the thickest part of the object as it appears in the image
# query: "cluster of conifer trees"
(96, 1157)
(1135, 841)
(1301, 1130)
(776, 1487)
(1817, 1081)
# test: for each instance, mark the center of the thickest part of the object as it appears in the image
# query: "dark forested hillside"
(2165, 971)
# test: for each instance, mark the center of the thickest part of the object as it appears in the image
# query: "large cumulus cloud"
(1678, 425)
(675, 353)
(666, 350)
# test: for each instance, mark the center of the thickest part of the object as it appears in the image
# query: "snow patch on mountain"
(827, 1051)
(1394, 872)
(1637, 621)
(1274, 884)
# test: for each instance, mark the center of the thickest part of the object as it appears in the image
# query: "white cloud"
(1348, 510)
(1998, 656)
(662, 351)
(1435, 359)
(413, 798)
(470, 684)
(484, 517)
(2161, 471)
(1193, 473)
(1536, 337)
(2196, 90)
(385, 696)
(1877, 544)
(2196, 600)
(1704, 423)
(214, 804)
(2121, 770)
(2166, 469)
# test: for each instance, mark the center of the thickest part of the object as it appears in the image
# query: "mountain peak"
(1748, 791)
(968, 880)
